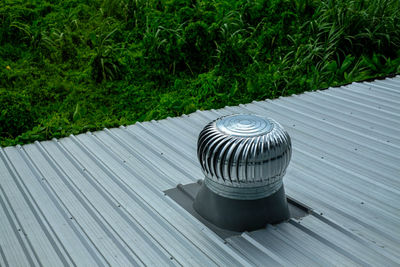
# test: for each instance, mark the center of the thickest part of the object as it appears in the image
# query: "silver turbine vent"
(244, 156)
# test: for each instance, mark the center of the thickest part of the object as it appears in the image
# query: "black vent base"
(241, 215)
(185, 196)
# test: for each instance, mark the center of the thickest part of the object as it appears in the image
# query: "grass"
(71, 66)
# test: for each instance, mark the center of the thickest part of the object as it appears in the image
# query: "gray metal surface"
(244, 156)
(97, 198)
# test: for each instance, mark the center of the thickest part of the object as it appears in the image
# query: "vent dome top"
(244, 125)
(244, 156)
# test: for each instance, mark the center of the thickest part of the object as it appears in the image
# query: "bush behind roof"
(71, 66)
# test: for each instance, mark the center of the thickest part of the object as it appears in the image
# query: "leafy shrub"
(15, 116)
(72, 66)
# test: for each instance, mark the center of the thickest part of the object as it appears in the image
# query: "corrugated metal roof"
(97, 198)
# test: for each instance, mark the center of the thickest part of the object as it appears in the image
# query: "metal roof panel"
(97, 198)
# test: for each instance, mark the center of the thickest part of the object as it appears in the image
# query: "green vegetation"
(72, 66)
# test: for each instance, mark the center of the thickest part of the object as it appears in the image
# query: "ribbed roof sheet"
(97, 198)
